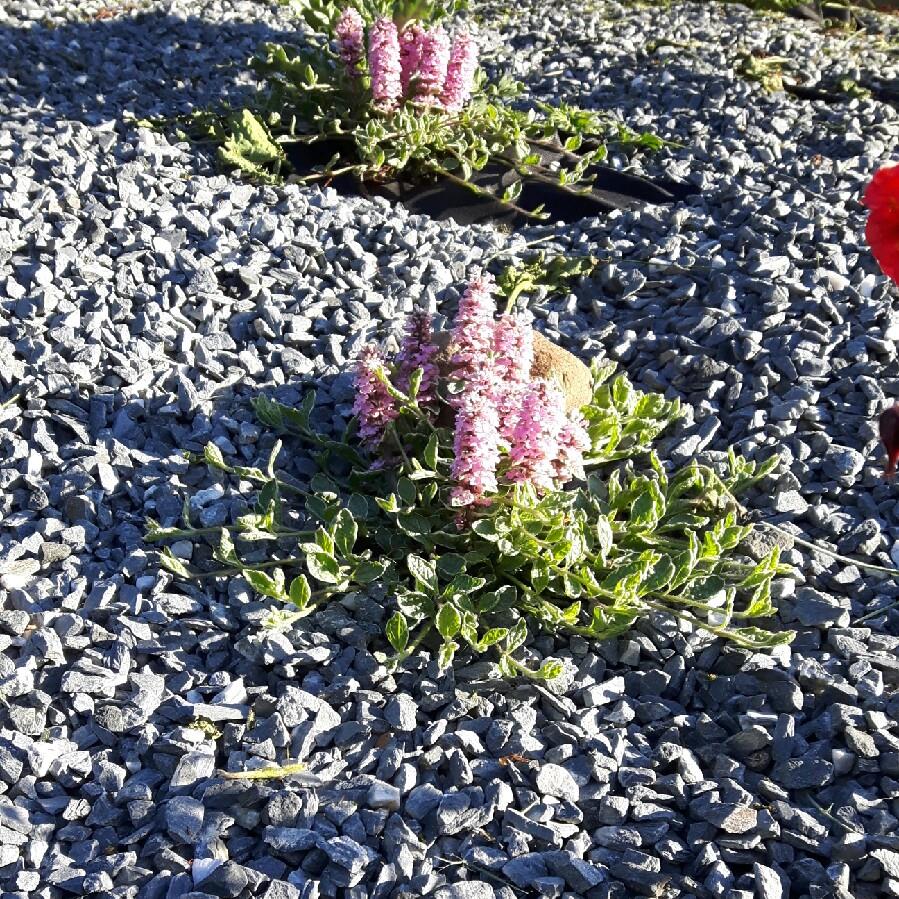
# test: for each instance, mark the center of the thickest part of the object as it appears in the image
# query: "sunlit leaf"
(300, 592)
(448, 620)
(344, 531)
(267, 584)
(397, 631)
(323, 567)
(424, 571)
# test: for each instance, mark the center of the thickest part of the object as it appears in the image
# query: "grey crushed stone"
(145, 298)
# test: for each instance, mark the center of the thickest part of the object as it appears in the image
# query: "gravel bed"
(144, 299)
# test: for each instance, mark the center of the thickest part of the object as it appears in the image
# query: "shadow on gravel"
(158, 65)
(150, 64)
(670, 85)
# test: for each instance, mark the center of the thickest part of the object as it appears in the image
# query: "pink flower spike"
(384, 63)
(374, 406)
(535, 438)
(475, 445)
(472, 334)
(435, 55)
(418, 351)
(463, 64)
(574, 441)
(410, 54)
(513, 350)
(349, 31)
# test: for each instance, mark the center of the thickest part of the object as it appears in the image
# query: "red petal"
(883, 191)
(882, 234)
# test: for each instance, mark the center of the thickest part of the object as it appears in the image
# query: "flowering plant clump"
(391, 96)
(882, 229)
(460, 494)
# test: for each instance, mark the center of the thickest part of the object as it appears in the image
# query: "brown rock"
(550, 362)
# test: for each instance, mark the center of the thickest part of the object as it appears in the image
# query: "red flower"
(882, 230)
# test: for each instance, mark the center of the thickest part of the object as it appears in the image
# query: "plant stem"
(827, 814)
(259, 478)
(399, 446)
(237, 570)
(307, 138)
(875, 613)
(519, 583)
(517, 249)
(402, 656)
(691, 603)
(339, 447)
(485, 872)
(521, 668)
(481, 192)
(683, 616)
(407, 403)
(319, 176)
(555, 148)
(516, 292)
(529, 171)
(828, 552)
(174, 533)
(282, 532)
(288, 618)
(273, 772)
(283, 485)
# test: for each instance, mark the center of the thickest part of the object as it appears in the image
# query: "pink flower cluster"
(510, 428)
(410, 54)
(513, 356)
(384, 63)
(463, 63)
(493, 359)
(476, 453)
(415, 63)
(534, 449)
(472, 334)
(350, 40)
(374, 406)
(418, 351)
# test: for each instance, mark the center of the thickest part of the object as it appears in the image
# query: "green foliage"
(296, 771)
(554, 273)
(766, 70)
(207, 727)
(634, 540)
(247, 146)
(853, 89)
(308, 98)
